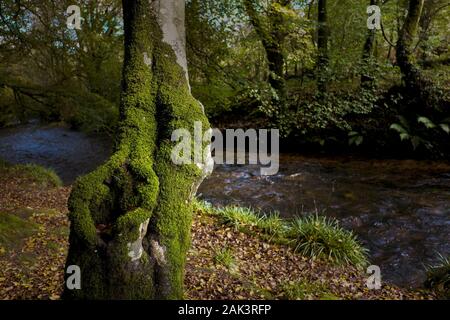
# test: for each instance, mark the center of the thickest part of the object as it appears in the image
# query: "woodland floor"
(222, 264)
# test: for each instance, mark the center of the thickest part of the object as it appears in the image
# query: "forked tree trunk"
(131, 218)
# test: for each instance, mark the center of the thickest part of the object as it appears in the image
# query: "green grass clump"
(242, 217)
(312, 236)
(36, 174)
(272, 225)
(42, 176)
(237, 217)
(438, 277)
(3, 164)
(306, 290)
(224, 257)
(14, 229)
(202, 206)
(321, 237)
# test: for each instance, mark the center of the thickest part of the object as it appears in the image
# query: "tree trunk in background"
(272, 38)
(431, 9)
(322, 46)
(412, 77)
(369, 45)
(131, 218)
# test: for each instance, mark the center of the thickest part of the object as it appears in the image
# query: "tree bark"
(272, 37)
(131, 218)
(411, 74)
(322, 46)
(369, 44)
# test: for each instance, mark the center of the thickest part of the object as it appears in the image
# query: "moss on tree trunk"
(131, 218)
(405, 42)
(413, 79)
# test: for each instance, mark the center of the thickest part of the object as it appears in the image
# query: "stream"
(400, 209)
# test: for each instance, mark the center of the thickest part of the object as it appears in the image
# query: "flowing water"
(400, 209)
(69, 153)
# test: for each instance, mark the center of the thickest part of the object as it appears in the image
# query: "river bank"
(223, 262)
(398, 208)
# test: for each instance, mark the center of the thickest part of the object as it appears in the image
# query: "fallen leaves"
(35, 270)
(265, 268)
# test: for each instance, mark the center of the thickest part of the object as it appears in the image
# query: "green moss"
(41, 176)
(306, 290)
(54, 246)
(14, 229)
(109, 207)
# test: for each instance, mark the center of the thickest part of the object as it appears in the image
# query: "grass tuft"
(36, 174)
(224, 257)
(312, 236)
(13, 230)
(237, 217)
(321, 237)
(306, 290)
(438, 277)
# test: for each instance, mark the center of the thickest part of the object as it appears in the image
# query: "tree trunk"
(322, 46)
(411, 74)
(131, 218)
(272, 37)
(369, 45)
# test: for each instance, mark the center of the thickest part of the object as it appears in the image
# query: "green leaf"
(404, 136)
(427, 122)
(445, 127)
(359, 140)
(398, 128)
(416, 141)
(404, 123)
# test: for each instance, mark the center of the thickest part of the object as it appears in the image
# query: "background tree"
(429, 35)
(57, 74)
(322, 46)
(272, 31)
(131, 218)
(411, 74)
(369, 46)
